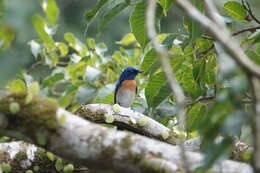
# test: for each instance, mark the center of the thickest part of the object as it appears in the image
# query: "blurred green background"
(16, 16)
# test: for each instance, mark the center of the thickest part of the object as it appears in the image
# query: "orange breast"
(129, 84)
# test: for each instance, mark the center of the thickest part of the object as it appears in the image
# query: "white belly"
(125, 98)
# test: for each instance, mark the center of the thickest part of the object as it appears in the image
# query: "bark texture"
(91, 145)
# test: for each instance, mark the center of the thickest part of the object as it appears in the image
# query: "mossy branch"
(96, 147)
(128, 119)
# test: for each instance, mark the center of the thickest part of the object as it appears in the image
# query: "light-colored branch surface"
(170, 76)
(21, 157)
(97, 147)
(256, 122)
(238, 151)
(97, 113)
(128, 119)
(222, 35)
(165, 62)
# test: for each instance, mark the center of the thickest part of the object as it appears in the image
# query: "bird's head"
(129, 73)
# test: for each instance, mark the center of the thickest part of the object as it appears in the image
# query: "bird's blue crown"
(129, 74)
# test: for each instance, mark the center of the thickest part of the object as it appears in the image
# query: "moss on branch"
(38, 111)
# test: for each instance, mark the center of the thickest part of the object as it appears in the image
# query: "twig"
(164, 58)
(247, 7)
(252, 29)
(208, 37)
(33, 66)
(170, 76)
(223, 36)
(200, 99)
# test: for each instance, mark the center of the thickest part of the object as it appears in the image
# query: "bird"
(126, 87)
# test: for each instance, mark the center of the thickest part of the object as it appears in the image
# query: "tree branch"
(21, 156)
(164, 58)
(248, 8)
(221, 35)
(255, 83)
(94, 146)
(129, 120)
(170, 76)
(252, 29)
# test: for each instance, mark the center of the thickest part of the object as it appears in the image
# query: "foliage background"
(82, 67)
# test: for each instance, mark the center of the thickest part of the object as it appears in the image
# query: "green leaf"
(138, 25)
(34, 88)
(51, 10)
(39, 25)
(164, 92)
(59, 165)
(17, 86)
(252, 55)
(50, 156)
(92, 13)
(112, 13)
(6, 37)
(153, 87)
(91, 43)
(235, 10)
(6, 168)
(76, 44)
(191, 26)
(63, 48)
(217, 151)
(52, 79)
(151, 56)
(199, 67)
(184, 74)
(127, 40)
(166, 4)
(68, 168)
(211, 70)
(194, 116)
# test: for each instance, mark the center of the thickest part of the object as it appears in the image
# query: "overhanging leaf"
(92, 13)
(39, 25)
(151, 56)
(195, 114)
(112, 13)
(164, 92)
(52, 79)
(166, 4)
(138, 25)
(235, 10)
(153, 87)
(191, 26)
(51, 10)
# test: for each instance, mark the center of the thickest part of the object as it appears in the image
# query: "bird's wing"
(116, 90)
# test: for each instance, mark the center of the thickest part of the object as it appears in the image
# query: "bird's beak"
(140, 71)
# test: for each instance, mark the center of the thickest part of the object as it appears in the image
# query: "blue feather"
(128, 74)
